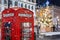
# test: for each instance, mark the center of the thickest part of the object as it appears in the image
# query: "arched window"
(0, 9)
(5, 1)
(32, 7)
(25, 5)
(21, 4)
(0, 1)
(16, 3)
(29, 6)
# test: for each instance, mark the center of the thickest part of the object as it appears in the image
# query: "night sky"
(54, 2)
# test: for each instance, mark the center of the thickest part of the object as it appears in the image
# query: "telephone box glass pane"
(26, 30)
(7, 24)
(27, 35)
(27, 24)
(7, 31)
(7, 37)
(25, 38)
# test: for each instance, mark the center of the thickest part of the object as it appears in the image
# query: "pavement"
(54, 37)
(57, 37)
(46, 38)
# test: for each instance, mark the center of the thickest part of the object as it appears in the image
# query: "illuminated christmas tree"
(46, 19)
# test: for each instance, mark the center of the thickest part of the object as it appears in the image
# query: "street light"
(38, 21)
(57, 19)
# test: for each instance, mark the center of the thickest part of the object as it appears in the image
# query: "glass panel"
(25, 5)
(0, 1)
(0, 9)
(16, 3)
(7, 31)
(32, 7)
(7, 24)
(26, 30)
(5, 1)
(29, 6)
(27, 24)
(25, 38)
(7, 37)
(21, 4)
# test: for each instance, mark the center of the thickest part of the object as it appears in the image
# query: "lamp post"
(57, 19)
(38, 22)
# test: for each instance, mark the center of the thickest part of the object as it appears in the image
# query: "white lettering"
(8, 15)
(25, 15)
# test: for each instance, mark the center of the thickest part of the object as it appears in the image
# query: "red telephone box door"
(26, 24)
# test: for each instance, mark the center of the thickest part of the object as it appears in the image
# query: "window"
(25, 5)
(21, 4)
(16, 3)
(0, 9)
(7, 24)
(32, 7)
(0, 1)
(27, 24)
(29, 6)
(26, 30)
(7, 37)
(5, 1)
(7, 31)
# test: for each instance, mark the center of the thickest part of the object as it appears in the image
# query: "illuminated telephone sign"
(8, 15)
(24, 15)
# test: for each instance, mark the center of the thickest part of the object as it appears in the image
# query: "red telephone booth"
(26, 23)
(17, 24)
(8, 24)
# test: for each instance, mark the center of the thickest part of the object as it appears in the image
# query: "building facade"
(3, 5)
(28, 4)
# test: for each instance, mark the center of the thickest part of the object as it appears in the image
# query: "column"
(13, 3)
(31, 7)
(27, 6)
(34, 10)
(19, 4)
(23, 5)
(2, 2)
